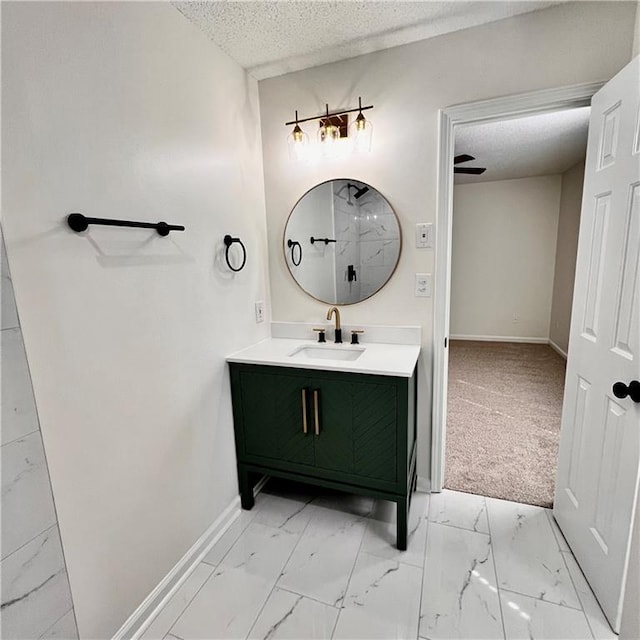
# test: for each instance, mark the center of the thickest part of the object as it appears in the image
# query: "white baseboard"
(423, 485)
(557, 349)
(143, 616)
(500, 339)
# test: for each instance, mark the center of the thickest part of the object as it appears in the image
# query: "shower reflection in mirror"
(367, 241)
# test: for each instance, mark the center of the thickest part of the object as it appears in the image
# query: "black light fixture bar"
(325, 115)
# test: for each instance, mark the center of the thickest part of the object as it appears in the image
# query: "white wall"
(567, 248)
(126, 110)
(636, 39)
(563, 45)
(503, 255)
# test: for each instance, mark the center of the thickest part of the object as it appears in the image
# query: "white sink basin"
(346, 353)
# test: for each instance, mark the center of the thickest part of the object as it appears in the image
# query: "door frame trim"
(449, 118)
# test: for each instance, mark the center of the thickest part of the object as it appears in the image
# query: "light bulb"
(298, 134)
(361, 132)
(297, 142)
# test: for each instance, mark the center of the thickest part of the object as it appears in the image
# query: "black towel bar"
(325, 240)
(79, 222)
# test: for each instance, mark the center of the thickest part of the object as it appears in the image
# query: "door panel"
(598, 462)
(626, 311)
(596, 264)
(374, 430)
(273, 417)
(334, 443)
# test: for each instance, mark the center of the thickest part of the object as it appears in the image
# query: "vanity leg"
(246, 488)
(402, 513)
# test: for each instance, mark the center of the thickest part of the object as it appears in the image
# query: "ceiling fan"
(465, 157)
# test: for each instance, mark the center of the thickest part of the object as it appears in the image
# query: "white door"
(599, 459)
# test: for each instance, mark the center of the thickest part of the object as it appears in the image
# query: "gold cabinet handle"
(304, 411)
(316, 415)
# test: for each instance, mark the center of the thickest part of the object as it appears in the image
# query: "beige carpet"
(503, 422)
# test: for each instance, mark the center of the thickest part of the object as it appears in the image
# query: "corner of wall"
(636, 34)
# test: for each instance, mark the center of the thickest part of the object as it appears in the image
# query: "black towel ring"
(228, 241)
(292, 244)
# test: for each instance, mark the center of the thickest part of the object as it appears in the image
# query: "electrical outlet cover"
(423, 285)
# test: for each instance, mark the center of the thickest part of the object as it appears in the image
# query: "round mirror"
(342, 241)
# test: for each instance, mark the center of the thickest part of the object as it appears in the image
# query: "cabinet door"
(273, 417)
(375, 430)
(358, 428)
(334, 440)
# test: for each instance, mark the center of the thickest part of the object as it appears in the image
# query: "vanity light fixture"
(297, 141)
(328, 133)
(361, 131)
(333, 128)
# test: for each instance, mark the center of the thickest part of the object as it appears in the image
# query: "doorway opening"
(455, 124)
(516, 212)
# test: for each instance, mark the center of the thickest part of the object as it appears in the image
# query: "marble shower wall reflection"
(368, 238)
(36, 598)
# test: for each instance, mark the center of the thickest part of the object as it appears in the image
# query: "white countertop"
(376, 359)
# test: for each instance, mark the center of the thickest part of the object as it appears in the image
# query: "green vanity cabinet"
(350, 431)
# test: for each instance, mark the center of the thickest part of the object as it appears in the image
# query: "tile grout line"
(453, 526)
(22, 437)
(495, 568)
(553, 526)
(424, 567)
(233, 544)
(556, 537)
(556, 604)
(173, 624)
(303, 595)
(214, 567)
(355, 561)
(400, 560)
(604, 617)
(55, 524)
(253, 513)
(286, 562)
(564, 560)
(56, 622)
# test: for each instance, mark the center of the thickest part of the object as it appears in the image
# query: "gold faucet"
(338, 330)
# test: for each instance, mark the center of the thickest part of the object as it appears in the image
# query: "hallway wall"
(565, 267)
(126, 110)
(502, 258)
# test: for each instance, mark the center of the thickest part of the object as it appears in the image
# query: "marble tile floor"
(305, 563)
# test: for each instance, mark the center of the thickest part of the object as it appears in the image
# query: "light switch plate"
(424, 285)
(424, 235)
(259, 311)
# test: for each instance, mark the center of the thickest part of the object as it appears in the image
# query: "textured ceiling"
(544, 144)
(270, 38)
